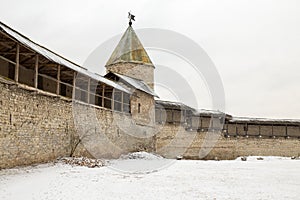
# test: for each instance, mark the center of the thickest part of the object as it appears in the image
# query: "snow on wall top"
(265, 120)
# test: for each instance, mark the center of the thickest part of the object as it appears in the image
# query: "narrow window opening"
(139, 108)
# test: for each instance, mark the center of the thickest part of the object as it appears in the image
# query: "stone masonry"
(174, 140)
(36, 127)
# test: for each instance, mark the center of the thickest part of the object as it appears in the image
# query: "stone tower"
(130, 58)
(132, 66)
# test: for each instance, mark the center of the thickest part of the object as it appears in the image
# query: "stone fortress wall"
(37, 127)
(189, 135)
(49, 105)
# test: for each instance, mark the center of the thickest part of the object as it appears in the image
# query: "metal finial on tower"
(130, 17)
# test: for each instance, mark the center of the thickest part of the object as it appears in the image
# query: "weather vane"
(130, 17)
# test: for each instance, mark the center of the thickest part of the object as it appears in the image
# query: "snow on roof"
(57, 58)
(179, 105)
(204, 112)
(136, 83)
(173, 105)
(209, 112)
(265, 120)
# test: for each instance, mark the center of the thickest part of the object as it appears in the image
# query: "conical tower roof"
(129, 49)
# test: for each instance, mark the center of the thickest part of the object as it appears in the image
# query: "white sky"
(254, 44)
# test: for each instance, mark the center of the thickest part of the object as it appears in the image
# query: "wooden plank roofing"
(55, 58)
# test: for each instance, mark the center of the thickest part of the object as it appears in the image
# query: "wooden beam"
(67, 73)
(36, 71)
(88, 92)
(14, 40)
(48, 77)
(103, 92)
(17, 66)
(201, 125)
(7, 60)
(12, 53)
(122, 100)
(58, 80)
(12, 49)
(5, 44)
(227, 127)
(27, 59)
(160, 115)
(44, 64)
(74, 84)
(272, 130)
(113, 99)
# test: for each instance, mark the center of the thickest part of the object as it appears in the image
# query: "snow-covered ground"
(271, 178)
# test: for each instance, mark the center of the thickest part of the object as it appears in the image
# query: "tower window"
(139, 108)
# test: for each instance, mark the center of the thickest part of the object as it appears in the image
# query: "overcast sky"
(254, 44)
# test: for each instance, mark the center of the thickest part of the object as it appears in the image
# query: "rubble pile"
(83, 161)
